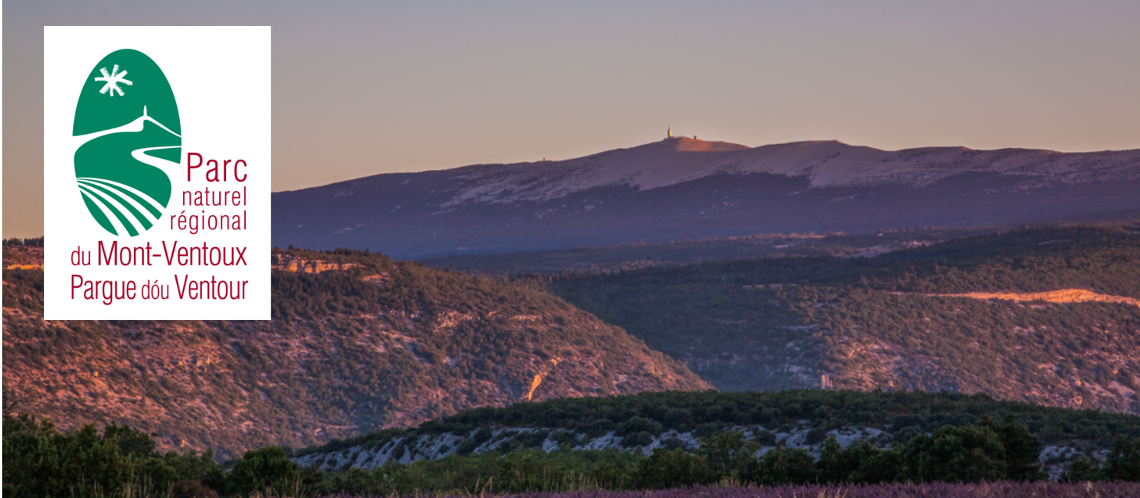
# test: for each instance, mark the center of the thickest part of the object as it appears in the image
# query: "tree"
(955, 454)
(671, 469)
(783, 466)
(39, 460)
(861, 463)
(729, 454)
(130, 441)
(877, 466)
(1022, 449)
(263, 469)
(833, 464)
(1123, 462)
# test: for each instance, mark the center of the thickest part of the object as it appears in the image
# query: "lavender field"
(930, 490)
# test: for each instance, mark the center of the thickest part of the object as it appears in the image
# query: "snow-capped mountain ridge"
(685, 188)
(825, 163)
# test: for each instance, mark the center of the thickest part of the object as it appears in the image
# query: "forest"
(814, 342)
(625, 257)
(887, 322)
(901, 414)
(42, 461)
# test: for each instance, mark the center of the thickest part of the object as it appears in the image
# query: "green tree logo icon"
(127, 119)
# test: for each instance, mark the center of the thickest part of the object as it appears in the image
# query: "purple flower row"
(930, 490)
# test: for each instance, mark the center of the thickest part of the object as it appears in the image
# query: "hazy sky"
(361, 88)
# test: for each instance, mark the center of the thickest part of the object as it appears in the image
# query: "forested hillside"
(638, 442)
(885, 322)
(599, 259)
(357, 342)
(698, 422)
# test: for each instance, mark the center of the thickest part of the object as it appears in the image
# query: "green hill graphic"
(128, 119)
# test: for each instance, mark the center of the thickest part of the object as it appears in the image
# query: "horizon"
(662, 140)
(366, 89)
(684, 137)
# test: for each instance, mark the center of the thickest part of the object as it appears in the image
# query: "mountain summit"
(682, 188)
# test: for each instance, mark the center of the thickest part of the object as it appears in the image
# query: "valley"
(598, 362)
(1000, 314)
(379, 343)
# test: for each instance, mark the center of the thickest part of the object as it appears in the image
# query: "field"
(941, 490)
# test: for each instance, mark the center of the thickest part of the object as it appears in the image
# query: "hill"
(588, 445)
(1043, 315)
(624, 257)
(357, 342)
(790, 419)
(685, 188)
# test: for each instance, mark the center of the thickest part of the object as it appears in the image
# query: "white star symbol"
(113, 80)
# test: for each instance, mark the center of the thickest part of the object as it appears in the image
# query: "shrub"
(638, 439)
(565, 439)
(639, 424)
(764, 437)
(783, 466)
(815, 436)
(1082, 470)
(673, 443)
(472, 443)
(192, 489)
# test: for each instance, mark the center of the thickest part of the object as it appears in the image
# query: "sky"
(367, 87)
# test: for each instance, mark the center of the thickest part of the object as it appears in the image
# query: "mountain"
(357, 342)
(691, 189)
(1048, 316)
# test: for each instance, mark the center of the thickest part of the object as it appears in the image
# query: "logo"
(127, 121)
(154, 224)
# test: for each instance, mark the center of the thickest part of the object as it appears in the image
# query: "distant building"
(670, 136)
